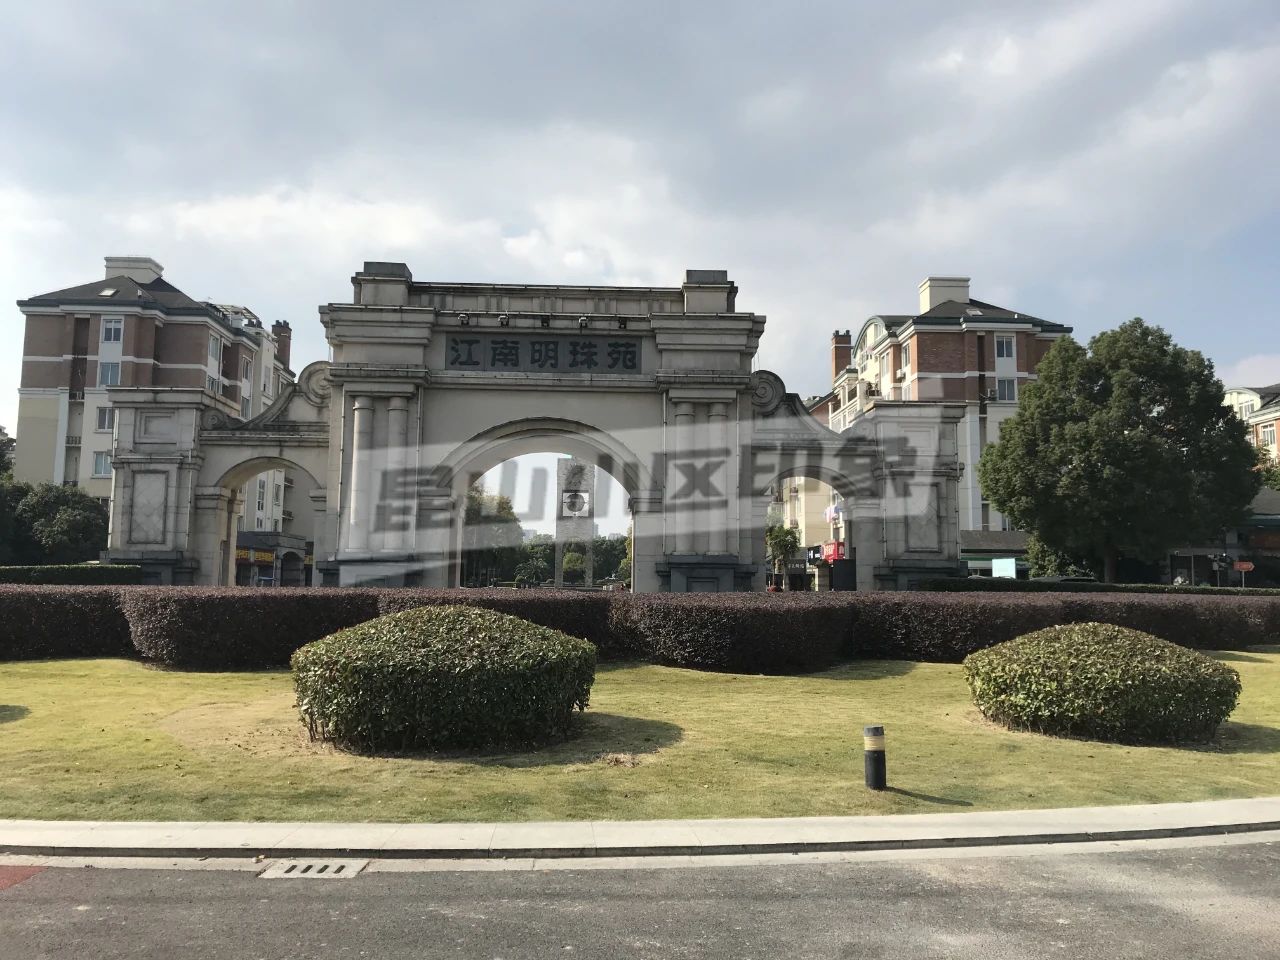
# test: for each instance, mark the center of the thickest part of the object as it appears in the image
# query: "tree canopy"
(49, 524)
(1123, 448)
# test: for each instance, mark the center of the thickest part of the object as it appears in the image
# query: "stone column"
(397, 456)
(682, 511)
(358, 519)
(717, 516)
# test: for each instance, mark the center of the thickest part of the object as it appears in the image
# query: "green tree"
(65, 523)
(783, 542)
(574, 565)
(607, 555)
(7, 444)
(1045, 561)
(1124, 448)
(16, 544)
(531, 572)
(1268, 469)
(492, 539)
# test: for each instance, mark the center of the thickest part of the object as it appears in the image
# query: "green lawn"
(112, 739)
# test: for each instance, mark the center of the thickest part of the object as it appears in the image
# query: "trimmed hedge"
(576, 613)
(237, 628)
(39, 622)
(1102, 682)
(443, 677)
(1009, 585)
(739, 632)
(947, 628)
(251, 628)
(85, 574)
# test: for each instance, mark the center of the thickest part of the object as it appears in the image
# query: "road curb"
(642, 850)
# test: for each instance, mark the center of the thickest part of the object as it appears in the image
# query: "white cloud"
(1258, 370)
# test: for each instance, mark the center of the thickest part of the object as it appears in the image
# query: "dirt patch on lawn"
(268, 727)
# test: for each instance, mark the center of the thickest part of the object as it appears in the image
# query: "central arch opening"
(520, 517)
(523, 526)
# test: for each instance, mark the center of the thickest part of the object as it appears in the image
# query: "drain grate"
(313, 869)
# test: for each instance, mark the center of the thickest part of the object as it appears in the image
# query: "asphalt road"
(1195, 902)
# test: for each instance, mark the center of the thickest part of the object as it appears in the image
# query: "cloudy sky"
(1083, 161)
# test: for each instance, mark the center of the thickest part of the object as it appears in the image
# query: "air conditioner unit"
(900, 373)
(575, 504)
(75, 395)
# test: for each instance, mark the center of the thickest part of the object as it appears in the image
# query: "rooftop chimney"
(141, 269)
(936, 290)
(841, 353)
(284, 340)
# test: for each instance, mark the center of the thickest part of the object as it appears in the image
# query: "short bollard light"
(873, 757)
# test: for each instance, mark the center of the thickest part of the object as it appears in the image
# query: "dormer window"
(107, 292)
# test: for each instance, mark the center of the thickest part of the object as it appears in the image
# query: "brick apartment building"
(954, 349)
(134, 329)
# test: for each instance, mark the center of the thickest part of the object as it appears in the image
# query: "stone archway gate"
(431, 384)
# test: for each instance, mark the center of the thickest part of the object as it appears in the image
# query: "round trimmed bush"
(1102, 682)
(442, 677)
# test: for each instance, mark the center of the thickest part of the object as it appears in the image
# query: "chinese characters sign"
(523, 353)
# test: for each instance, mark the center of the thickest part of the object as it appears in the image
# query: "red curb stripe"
(12, 876)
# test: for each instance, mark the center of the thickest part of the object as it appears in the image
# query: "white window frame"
(262, 494)
(1246, 410)
(212, 385)
(215, 348)
(1012, 391)
(103, 379)
(246, 410)
(1009, 343)
(906, 355)
(110, 419)
(276, 494)
(101, 457)
(112, 329)
(246, 368)
(1268, 434)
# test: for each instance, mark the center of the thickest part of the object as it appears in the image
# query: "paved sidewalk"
(636, 838)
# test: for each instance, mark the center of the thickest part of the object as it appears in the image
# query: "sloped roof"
(1266, 503)
(158, 292)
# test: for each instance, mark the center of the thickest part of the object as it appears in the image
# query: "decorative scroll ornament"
(314, 383)
(767, 391)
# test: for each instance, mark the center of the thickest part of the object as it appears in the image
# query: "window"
(211, 384)
(906, 354)
(112, 329)
(258, 524)
(246, 369)
(108, 374)
(1268, 434)
(1246, 410)
(986, 515)
(102, 464)
(105, 502)
(1005, 523)
(1007, 390)
(275, 496)
(1004, 347)
(262, 494)
(275, 526)
(215, 349)
(106, 418)
(244, 408)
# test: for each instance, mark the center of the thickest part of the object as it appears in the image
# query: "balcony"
(73, 441)
(286, 515)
